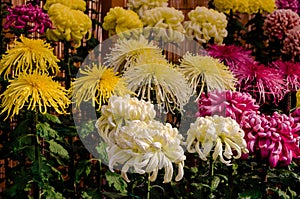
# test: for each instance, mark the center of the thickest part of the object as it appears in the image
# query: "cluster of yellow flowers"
(73, 4)
(135, 140)
(206, 71)
(215, 131)
(139, 6)
(166, 22)
(245, 6)
(70, 24)
(119, 20)
(206, 24)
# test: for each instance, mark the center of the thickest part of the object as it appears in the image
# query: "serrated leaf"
(58, 149)
(50, 193)
(117, 181)
(46, 131)
(52, 118)
(83, 168)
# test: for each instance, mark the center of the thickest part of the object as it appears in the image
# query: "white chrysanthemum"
(118, 111)
(126, 51)
(159, 82)
(206, 72)
(211, 133)
(165, 23)
(147, 147)
(205, 24)
(139, 6)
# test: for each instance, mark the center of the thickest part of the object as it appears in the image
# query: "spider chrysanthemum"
(97, 84)
(206, 72)
(34, 91)
(28, 55)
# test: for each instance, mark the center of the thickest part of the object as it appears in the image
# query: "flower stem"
(211, 175)
(36, 188)
(148, 187)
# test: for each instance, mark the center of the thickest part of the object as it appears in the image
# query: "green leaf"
(117, 181)
(50, 193)
(52, 118)
(46, 131)
(83, 168)
(215, 182)
(58, 149)
(101, 149)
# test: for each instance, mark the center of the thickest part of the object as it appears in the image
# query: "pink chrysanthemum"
(279, 22)
(296, 115)
(29, 17)
(264, 83)
(231, 55)
(291, 44)
(291, 73)
(226, 103)
(275, 137)
(287, 4)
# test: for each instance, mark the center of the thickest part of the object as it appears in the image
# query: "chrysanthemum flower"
(205, 24)
(34, 91)
(119, 111)
(159, 82)
(227, 104)
(119, 20)
(70, 25)
(125, 52)
(166, 21)
(97, 84)
(28, 55)
(298, 99)
(28, 17)
(139, 6)
(208, 134)
(291, 43)
(147, 147)
(245, 6)
(275, 137)
(296, 113)
(73, 4)
(230, 55)
(260, 81)
(288, 4)
(291, 73)
(206, 72)
(279, 22)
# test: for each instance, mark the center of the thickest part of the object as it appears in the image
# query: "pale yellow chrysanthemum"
(97, 84)
(206, 72)
(298, 99)
(159, 82)
(222, 135)
(28, 55)
(147, 147)
(165, 23)
(119, 20)
(125, 52)
(139, 6)
(73, 4)
(206, 24)
(118, 111)
(34, 91)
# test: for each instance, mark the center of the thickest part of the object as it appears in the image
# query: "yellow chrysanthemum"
(126, 51)
(298, 98)
(119, 20)
(34, 90)
(97, 83)
(159, 82)
(215, 132)
(70, 25)
(245, 6)
(73, 4)
(120, 110)
(28, 55)
(206, 72)
(205, 24)
(147, 147)
(139, 6)
(165, 23)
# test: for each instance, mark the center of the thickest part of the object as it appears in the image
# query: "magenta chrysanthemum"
(231, 55)
(275, 137)
(291, 42)
(29, 17)
(264, 83)
(291, 73)
(279, 22)
(296, 115)
(226, 103)
(287, 4)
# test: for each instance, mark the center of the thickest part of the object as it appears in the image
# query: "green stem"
(211, 175)
(36, 188)
(148, 187)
